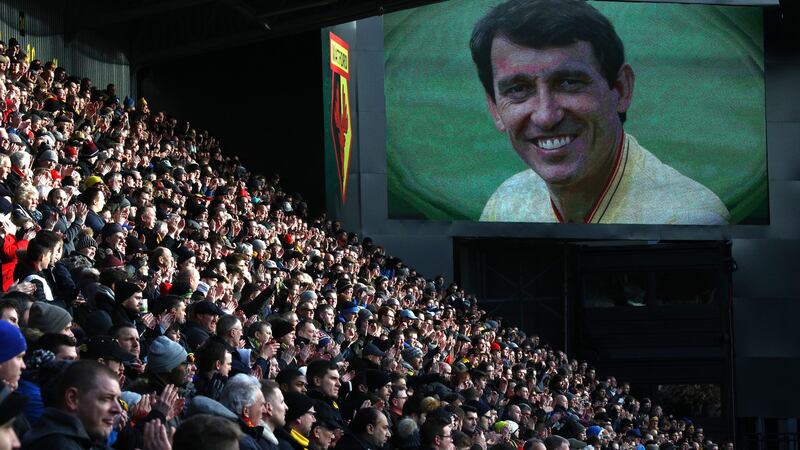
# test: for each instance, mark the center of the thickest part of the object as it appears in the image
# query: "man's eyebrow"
(560, 74)
(506, 82)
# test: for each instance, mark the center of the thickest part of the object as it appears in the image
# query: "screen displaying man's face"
(693, 147)
(558, 111)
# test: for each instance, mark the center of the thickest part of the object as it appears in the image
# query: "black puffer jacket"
(57, 429)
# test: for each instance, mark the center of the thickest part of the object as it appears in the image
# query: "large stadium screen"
(561, 111)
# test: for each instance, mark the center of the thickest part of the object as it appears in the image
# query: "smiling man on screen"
(557, 84)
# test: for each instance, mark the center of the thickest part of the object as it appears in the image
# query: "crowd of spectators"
(156, 294)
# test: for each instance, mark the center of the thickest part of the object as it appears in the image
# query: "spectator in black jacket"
(369, 430)
(84, 406)
(202, 323)
(213, 367)
(95, 199)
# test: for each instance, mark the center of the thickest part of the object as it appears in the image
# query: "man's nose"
(547, 111)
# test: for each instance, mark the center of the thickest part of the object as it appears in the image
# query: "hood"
(54, 421)
(269, 435)
(205, 405)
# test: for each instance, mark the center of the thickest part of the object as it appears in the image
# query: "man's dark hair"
(9, 303)
(546, 23)
(318, 368)
(413, 405)
(478, 375)
(554, 442)
(81, 375)
(114, 331)
(433, 426)
(217, 433)
(364, 417)
(110, 277)
(530, 442)
(461, 440)
(226, 323)
(51, 341)
(173, 302)
(208, 354)
(90, 195)
(37, 248)
(288, 375)
(52, 194)
(48, 238)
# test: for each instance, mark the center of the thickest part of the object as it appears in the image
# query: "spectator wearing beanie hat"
(127, 305)
(412, 358)
(83, 256)
(112, 248)
(12, 350)
(167, 363)
(185, 258)
(299, 419)
(380, 383)
(50, 319)
(283, 332)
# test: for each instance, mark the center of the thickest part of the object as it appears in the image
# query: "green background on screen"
(698, 105)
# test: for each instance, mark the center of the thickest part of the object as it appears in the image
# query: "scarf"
(48, 294)
(302, 440)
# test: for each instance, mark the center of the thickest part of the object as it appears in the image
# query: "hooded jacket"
(61, 430)
(204, 405)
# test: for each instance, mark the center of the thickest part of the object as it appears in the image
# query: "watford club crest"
(341, 126)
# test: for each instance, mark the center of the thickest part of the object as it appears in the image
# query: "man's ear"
(370, 428)
(71, 399)
(217, 364)
(623, 85)
(498, 122)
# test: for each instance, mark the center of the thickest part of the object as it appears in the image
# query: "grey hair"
(20, 158)
(244, 248)
(240, 392)
(406, 428)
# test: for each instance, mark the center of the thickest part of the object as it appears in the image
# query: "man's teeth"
(553, 143)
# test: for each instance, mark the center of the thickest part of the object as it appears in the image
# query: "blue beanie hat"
(594, 430)
(12, 343)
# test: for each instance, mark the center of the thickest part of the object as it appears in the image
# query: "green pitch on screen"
(698, 105)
